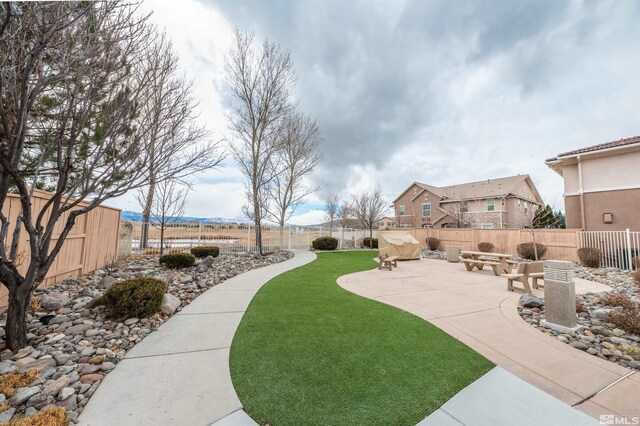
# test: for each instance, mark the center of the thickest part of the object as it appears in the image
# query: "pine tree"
(544, 217)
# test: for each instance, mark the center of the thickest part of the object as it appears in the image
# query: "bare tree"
(459, 212)
(72, 80)
(331, 208)
(170, 118)
(168, 204)
(369, 208)
(296, 159)
(262, 81)
(344, 212)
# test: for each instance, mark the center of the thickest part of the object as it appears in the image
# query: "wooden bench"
(521, 276)
(386, 261)
(536, 272)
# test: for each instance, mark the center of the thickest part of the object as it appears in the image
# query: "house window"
(464, 206)
(426, 210)
(491, 205)
(526, 207)
(401, 210)
(519, 203)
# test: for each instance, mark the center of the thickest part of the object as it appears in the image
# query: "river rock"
(43, 362)
(169, 304)
(22, 394)
(531, 301)
(53, 301)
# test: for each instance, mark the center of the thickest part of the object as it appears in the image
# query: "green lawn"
(308, 352)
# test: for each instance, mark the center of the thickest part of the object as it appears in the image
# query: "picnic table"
(500, 262)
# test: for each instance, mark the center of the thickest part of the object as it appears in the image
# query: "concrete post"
(560, 297)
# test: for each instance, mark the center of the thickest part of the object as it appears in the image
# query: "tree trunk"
(258, 237)
(281, 236)
(16, 327)
(161, 238)
(146, 216)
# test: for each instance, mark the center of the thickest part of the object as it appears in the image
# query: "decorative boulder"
(169, 304)
(107, 282)
(208, 261)
(531, 301)
(53, 302)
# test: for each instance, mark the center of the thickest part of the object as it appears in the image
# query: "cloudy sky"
(434, 91)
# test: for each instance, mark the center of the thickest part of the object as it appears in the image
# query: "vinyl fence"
(92, 243)
(240, 237)
(619, 248)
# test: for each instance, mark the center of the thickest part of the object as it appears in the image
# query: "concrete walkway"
(500, 398)
(179, 375)
(476, 308)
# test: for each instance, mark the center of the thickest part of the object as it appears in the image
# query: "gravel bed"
(76, 346)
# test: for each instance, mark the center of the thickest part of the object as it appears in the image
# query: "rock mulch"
(598, 337)
(75, 346)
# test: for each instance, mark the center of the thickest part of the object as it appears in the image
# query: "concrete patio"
(476, 308)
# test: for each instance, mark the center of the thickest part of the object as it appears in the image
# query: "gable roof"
(607, 145)
(488, 188)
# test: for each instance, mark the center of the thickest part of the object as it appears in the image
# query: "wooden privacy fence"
(562, 244)
(91, 244)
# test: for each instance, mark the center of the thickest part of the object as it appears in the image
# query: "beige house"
(509, 202)
(601, 185)
(386, 222)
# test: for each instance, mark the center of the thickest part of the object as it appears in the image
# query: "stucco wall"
(624, 205)
(603, 173)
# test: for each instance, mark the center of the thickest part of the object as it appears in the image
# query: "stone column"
(559, 297)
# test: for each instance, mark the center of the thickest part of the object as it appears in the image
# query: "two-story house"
(509, 202)
(601, 185)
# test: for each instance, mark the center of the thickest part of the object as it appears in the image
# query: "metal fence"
(619, 248)
(240, 237)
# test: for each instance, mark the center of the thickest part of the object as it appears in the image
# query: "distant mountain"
(137, 217)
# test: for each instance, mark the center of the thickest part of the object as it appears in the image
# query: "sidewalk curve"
(476, 308)
(179, 375)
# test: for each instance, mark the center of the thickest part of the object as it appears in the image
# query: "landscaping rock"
(22, 394)
(580, 345)
(208, 261)
(169, 304)
(43, 362)
(53, 302)
(599, 313)
(531, 301)
(76, 346)
(107, 282)
(6, 415)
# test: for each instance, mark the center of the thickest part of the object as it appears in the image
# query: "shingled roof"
(613, 144)
(488, 188)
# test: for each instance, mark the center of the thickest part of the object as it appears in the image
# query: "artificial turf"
(308, 352)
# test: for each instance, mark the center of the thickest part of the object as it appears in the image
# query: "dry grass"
(625, 319)
(155, 251)
(580, 307)
(11, 381)
(54, 417)
(35, 304)
(619, 299)
(636, 277)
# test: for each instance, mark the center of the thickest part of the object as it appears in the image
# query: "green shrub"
(138, 297)
(485, 247)
(433, 243)
(590, 256)
(370, 243)
(526, 251)
(204, 251)
(325, 243)
(177, 260)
